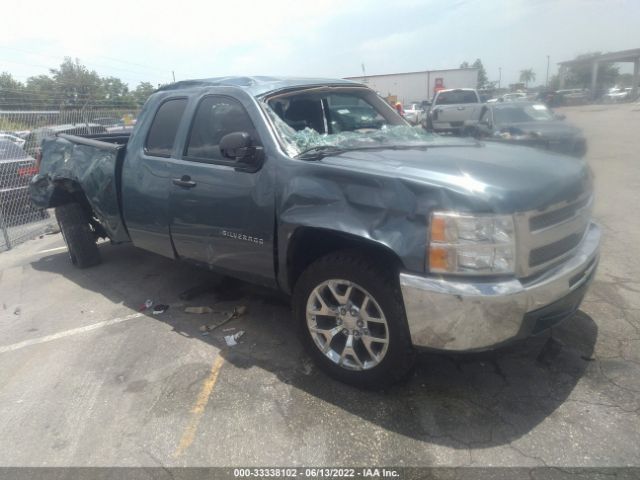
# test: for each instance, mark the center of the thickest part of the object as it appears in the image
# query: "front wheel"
(353, 320)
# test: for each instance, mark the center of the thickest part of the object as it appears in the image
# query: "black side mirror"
(560, 116)
(237, 146)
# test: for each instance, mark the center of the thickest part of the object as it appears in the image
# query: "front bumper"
(458, 315)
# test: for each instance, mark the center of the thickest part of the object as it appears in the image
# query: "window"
(455, 97)
(162, 133)
(216, 117)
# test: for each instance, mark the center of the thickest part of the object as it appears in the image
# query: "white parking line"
(67, 333)
(53, 250)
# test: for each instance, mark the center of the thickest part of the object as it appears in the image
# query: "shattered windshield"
(325, 120)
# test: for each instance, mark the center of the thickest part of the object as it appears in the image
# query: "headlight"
(471, 244)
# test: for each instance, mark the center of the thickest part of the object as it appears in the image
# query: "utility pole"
(547, 82)
(499, 76)
(364, 74)
(174, 76)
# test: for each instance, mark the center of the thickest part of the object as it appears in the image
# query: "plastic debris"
(233, 339)
(146, 305)
(158, 309)
(199, 310)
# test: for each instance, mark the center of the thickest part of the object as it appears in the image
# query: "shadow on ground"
(479, 400)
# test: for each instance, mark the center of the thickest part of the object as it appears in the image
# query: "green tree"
(75, 85)
(527, 75)
(579, 76)
(11, 92)
(116, 92)
(40, 93)
(142, 92)
(482, 73)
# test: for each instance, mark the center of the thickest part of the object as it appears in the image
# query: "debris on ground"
(158, 309)
(17, 311)
(233, 339)
(146, 305)
(237, 313)
(199, 310)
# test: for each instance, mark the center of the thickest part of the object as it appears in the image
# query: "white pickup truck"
(453, 110)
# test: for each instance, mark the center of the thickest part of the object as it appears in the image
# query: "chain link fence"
(21, 134)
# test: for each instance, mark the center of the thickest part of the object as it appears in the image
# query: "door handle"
(184, 181)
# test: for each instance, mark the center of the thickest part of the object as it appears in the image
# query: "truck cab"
(453, 110)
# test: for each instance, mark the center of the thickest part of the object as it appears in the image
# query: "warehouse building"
(415, 87)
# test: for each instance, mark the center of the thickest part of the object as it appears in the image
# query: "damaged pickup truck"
(388, 238)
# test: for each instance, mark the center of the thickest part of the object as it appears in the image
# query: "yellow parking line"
(189, 433)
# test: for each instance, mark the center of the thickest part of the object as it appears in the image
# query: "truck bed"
(84, 169)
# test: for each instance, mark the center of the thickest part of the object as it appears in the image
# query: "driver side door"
(222, 216)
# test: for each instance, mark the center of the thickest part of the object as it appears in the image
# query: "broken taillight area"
(28, 171)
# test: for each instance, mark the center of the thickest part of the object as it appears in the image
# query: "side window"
(215, 117)
(164, 127)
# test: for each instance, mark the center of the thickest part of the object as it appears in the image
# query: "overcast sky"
(141, 40)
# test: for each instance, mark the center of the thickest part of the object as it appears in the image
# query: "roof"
(620, 56)
(258, 85)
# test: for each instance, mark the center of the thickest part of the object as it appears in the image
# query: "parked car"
(616, 94)
(12, 138)
(568, 97)
(387, 238)
(453, 110)
(16, 170)
(34, 139)
(414, 113)
(530, 124)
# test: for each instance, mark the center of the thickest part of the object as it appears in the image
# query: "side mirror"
(237, 146)
(560, 116)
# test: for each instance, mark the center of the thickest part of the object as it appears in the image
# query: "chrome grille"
(547, 237)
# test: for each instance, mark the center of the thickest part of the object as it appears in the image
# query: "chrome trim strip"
(471, 315)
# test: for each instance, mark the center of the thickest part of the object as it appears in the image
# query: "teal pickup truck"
(387, 238)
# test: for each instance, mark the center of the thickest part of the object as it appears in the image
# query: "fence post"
(5, 234)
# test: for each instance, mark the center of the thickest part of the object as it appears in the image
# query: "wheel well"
(309, 244)
(69, 191)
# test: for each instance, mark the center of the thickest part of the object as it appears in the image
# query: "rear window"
(456, 96)
(162, 133)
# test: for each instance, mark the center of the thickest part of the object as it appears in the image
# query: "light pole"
(499, 76)
(547, 82)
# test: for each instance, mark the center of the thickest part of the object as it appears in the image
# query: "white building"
(414, 87)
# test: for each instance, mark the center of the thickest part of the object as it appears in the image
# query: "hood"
(549, 129)
(483, 177)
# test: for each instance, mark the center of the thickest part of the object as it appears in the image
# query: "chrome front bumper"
(452, 314)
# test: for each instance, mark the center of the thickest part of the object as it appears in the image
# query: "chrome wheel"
(347, 324)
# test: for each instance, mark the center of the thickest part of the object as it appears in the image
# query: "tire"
(376, 366)
(78, 236)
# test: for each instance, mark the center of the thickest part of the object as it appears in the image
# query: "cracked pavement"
(124, 394)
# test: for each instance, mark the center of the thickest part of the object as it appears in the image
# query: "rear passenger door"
(146, 179)
(222, 216)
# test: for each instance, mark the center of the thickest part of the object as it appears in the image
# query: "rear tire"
(77, 234)
(376, 338)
